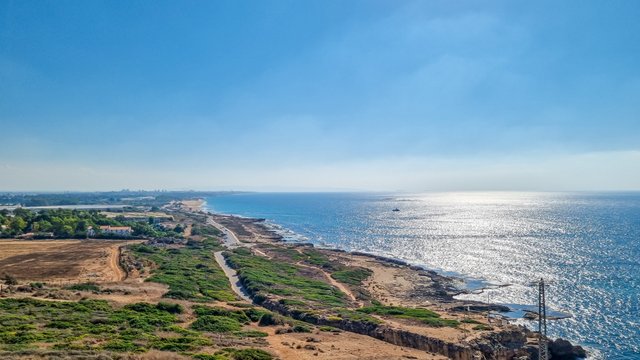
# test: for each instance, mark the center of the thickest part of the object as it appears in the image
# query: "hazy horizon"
(405, 96)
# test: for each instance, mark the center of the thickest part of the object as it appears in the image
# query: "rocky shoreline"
(514, 341)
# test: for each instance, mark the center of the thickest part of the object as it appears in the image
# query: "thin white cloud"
(575, 172)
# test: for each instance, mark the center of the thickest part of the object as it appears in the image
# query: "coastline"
(395, 282)
(457, 284)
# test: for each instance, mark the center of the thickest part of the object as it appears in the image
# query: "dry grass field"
(61, 260)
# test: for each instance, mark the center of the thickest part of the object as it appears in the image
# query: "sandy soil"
(192, 205)
(132, 292)
(340, 346)
(61, 260)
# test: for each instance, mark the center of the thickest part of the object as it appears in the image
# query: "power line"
(543, 350)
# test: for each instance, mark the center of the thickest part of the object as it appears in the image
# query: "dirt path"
(230, 240)
(114, 264)
(187, 230)
(333, 282)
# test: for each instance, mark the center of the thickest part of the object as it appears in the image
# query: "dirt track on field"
(62, 260)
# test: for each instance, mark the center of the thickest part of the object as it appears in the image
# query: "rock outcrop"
(503, 345)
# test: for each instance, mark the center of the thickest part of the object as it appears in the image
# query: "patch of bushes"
(93, 287)
(170, 307)
(299, 328)
(352, 276)
(261, 276)
(190, 272)
(251, 334)
(483, 327)
(94, 325)
(329, 329)
(205, 230)
(270, 319)
(217, 324)
(426, 316)
(353, 315)
(237, 315)
(238, 354)
(255, 314)
(179, 344)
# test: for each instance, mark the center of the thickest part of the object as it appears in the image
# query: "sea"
(586, 246)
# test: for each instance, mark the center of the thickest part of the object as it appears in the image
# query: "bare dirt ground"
(339, 346)
(61, 260)
(192, 205)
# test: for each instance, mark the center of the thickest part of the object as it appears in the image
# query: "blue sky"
(320, 95)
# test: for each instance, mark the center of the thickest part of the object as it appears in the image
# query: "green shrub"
(179, 344)
(210, 357)
(255, 314)
(66, 325)
(482, 327)
(270, 319)
(299, 328)
(244, 354)
(190, 272)
(170, 308)
(238, 315)
(122, 346)
(218, 324)
(329, 329)
(426, 316)
(84, 287)
(251, 334)
(352, 276)
(262, 277)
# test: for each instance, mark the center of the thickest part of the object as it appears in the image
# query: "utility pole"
(543, 350)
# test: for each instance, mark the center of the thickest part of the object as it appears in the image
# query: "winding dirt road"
(114, 264)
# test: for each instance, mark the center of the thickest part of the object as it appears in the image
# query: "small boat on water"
(395, 209)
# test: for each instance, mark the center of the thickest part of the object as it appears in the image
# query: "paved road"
(232, 275)
(230, 241)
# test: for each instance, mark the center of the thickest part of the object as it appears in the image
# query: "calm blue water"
(586, 245)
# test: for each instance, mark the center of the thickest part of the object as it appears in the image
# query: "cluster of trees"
(68, 223)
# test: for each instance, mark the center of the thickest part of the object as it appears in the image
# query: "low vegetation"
(236, 354)
(263, 277)
(349, 275)
(293, 288)
(425, 316)
(84, 287)
(93, 325)
(205, 230)
(352, 276)
(190, 272)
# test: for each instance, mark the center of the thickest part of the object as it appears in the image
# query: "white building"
(112, 230)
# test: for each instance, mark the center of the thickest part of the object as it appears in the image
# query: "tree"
(17, 224)
(41, 226)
